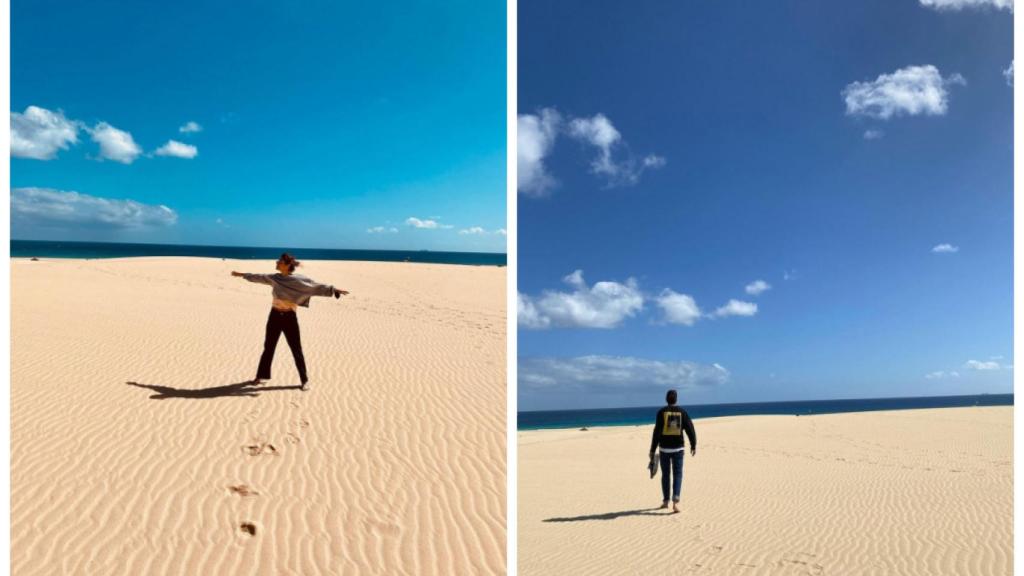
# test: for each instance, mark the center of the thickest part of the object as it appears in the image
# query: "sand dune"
(904, 492)
(392, 463)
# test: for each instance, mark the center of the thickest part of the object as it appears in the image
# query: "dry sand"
(905, 492)
(392, 463)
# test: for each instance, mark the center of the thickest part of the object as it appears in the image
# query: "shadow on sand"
(611, 515)
(240, 389)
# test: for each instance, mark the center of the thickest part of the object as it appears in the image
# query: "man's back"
(669, 426)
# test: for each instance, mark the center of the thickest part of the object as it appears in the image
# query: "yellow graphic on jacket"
(673, 424)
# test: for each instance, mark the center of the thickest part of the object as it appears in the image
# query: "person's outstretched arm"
(257, 278)
(656, 437)
(690, 433)
(317, 289)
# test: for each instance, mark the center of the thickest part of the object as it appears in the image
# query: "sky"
(763, 201)
(320, 125)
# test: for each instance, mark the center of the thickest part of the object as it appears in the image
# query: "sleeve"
(318, 289)
(690, 432)
(656, 437)
(257, 278)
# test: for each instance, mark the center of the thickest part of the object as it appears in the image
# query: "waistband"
(275, 310)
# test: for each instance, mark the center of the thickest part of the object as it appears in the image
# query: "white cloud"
(39, 133)
(190, 127)
(598, 131)
(177, 150)
(1008, 74)
(116, 145)
(616, 373)
(654, 161)
(537, 134)
(605, 305)
(736, 308)
(47, 207)
(425, 224)
(678, 308)
(945, 249)
(913, 90)
(472, 231)
(535, 138)
(501, 231)
(528, 315)
(961, 4)
(382, 230)
(873, 134)
(939, 375)
(981, 365)
(757, 287)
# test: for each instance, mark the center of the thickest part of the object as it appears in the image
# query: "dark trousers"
(287, 322)
(671, 462)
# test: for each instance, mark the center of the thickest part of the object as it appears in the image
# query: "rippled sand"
(392, 463)
(903, 492)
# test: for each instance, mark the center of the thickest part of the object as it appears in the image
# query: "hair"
(290, 261)
(671, 397)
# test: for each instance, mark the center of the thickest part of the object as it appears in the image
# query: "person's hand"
(693, 450)
(233, 273)
(339, 293)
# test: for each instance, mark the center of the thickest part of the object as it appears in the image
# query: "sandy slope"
(906, 492)
(393, 462)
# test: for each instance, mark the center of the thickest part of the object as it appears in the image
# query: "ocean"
(49, 249)
(632, 416)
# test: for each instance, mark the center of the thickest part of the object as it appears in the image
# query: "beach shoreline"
(58, 250)
(653, 410)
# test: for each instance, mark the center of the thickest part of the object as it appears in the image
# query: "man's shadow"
(610, 515)
(239, 389)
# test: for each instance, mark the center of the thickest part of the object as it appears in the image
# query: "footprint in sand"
(260, 448)
(243, 490)
(295, 436)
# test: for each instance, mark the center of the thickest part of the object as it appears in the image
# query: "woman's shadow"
(246, 388)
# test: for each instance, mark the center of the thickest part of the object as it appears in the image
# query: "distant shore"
(103, 250)
(556, 419)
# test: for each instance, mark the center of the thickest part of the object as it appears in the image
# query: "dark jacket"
(669, 425)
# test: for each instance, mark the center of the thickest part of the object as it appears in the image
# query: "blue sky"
(328, 125)
(855, 157)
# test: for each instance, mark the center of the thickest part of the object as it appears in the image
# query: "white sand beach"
(392, 463)
(902, 492)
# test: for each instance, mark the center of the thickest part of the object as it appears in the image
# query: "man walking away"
(668, 435)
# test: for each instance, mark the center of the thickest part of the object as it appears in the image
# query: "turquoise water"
(645, 415)
(47, 249)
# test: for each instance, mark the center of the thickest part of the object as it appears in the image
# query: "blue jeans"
(675, 460)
